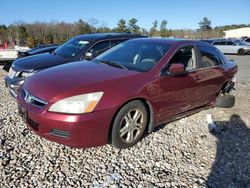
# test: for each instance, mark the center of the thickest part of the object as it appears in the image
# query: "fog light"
(59, 133)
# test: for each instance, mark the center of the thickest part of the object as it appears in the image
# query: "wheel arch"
(150, 113)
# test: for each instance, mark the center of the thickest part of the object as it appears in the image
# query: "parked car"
(38, 50)
(232, 47)
(125, 92)
(210, 41)
(246, 40)
(78, 48)
(34, 51)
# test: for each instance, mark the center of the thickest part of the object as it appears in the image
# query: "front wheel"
(129, 125)
(241, 51)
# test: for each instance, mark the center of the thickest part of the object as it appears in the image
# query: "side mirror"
(176, 69)
(88, 55)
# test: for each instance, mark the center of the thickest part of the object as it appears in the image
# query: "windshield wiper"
(114, 64)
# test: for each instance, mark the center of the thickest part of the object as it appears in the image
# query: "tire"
(129, 125)
(241, 51)
(225, 101)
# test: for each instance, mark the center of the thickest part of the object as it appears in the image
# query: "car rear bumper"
(81, 131)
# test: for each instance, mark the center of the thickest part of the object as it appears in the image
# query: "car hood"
(73, 79)
(39, 61)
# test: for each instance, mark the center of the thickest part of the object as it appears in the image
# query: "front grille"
(33, 100)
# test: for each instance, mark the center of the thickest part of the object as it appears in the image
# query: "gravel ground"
(184, 153)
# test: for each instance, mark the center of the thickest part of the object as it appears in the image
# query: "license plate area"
(23, 112)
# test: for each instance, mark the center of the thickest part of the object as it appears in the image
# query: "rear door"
(210, 74)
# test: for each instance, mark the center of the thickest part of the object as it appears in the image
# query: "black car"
(82, 47)
(38, 50)
(34, 51)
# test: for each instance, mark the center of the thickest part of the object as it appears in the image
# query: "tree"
(84, 27)
(31, 41)
(205, 24)
(3, 34)
(121, 26)
(153, 31)
(133, 27)
(163, 28)
(22, 33)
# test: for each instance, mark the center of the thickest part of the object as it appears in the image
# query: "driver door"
(179, 93)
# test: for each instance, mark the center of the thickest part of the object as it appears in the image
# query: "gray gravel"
(183, 153)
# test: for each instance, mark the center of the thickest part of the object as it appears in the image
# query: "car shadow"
(231, 167)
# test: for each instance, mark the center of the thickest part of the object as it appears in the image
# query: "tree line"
(32, 34)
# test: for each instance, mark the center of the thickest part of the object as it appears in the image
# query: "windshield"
(135, 55)
(71, 48)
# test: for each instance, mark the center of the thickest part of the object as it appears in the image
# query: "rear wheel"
(129, 125)
(225, 101)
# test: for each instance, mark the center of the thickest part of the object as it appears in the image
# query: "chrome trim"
(13, 93)
(28, 98)
(12, 73)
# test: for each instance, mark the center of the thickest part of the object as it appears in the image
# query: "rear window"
(209, 57)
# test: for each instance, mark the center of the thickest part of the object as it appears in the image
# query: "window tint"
(217, 43)
(71, 48)
(231, 43)
(115, 42)
(100, 47)
(209, 56)
(185, 56)
(247, 40)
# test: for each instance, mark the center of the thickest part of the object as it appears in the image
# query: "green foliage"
(163, 28)
(121, 26)
(153, 32)
(133, 27)
(205, 24)
(59, 32)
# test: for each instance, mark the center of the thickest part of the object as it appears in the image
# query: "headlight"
(27, 74)
(77, 104)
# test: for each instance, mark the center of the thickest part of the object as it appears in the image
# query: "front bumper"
(13, 84)
(81, 131)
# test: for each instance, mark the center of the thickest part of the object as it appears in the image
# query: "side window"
(186, 56)
(115, 42)
(217, 43)
(247, 40)
(231, 43)
(209, 56)
(222, 43)
(100, 48)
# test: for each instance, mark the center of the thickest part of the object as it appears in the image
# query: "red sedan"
(124, 92)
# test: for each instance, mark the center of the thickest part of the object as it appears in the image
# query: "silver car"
(246, 40)
(232, 47)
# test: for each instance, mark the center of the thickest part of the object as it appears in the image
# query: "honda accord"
(124, 92)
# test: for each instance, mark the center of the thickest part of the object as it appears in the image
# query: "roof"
(100, 36)
(170, 41)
